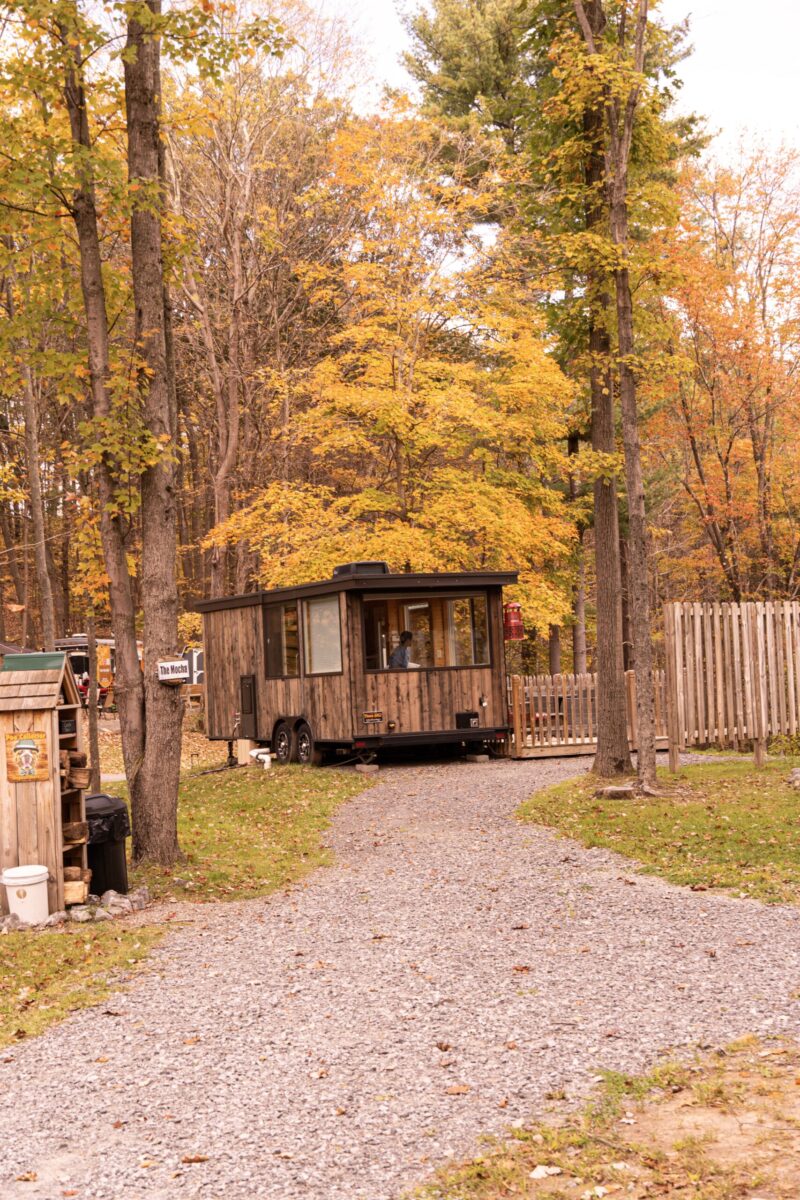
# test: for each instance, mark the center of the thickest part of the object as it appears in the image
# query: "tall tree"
(616, 59)
(155, 834)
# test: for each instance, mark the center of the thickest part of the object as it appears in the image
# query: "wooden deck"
(554, 716)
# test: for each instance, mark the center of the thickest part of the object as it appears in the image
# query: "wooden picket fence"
(733, 673)
(557, 714)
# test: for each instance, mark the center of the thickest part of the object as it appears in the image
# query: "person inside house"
(401, 655)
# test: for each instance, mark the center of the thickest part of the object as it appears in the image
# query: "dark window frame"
(305, 605)
(282, 605)
(434, 595)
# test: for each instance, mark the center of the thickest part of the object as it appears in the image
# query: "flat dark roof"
(433, 581)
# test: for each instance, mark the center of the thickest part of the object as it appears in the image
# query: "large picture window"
(282, 640)
(446, 631)
(322, 636)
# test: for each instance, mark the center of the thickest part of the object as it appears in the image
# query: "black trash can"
(109, 826)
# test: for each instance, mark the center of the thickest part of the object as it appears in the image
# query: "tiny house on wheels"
(362, 660)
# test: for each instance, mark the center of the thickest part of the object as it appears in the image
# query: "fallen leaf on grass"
(194, 1158)
(457, 1089)
(544, 1172)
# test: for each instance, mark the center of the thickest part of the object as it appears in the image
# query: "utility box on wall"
(43, 774)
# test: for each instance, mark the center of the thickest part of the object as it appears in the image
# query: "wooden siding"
(321, 700)
(427, 700)
(232, 641)
(417, 701)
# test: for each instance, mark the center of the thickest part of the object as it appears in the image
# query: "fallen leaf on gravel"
(544, 1172)
(119, 1124)
(522, 925)
(147, 1162)
(630, 882)
(458, 1089)
(503, 1103)
(27, 1177)
(511, 1045)
(103, 1058)
(194, 1158)
(699, 887)
(341, 1112)
(442, 1046)
(70, 1192)
(522, 968)
(191, 1041)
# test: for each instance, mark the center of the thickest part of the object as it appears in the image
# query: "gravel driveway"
(337, 1041)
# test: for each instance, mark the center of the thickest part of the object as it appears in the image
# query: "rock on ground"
(339, 1040)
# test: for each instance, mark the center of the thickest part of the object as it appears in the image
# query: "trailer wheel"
(306, 753)
(282, 743)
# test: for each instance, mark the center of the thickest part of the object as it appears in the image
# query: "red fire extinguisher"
(513, 629)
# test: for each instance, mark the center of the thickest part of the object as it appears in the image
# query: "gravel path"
(337, 1041)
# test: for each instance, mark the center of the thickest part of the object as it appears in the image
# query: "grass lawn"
(720, 1129)
(246, 832)
(718, 825)
(45, 976)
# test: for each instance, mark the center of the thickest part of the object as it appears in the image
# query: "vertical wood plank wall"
(733, 672)
(30, 817)
(334, 705)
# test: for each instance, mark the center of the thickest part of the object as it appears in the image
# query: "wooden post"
(671, 683)
(759, 666)
(630, 695)
(516, 714)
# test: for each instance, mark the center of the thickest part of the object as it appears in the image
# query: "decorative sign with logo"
(372, 718)
(26, 757)
(174, 671)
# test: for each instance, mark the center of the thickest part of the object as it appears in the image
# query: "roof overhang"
(384, 584)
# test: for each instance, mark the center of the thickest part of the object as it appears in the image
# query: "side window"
(322, 636)
(282, 640)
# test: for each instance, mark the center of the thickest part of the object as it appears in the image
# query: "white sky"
(744, 75)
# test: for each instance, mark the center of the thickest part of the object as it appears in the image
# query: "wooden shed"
(42, 812)
(363, 660)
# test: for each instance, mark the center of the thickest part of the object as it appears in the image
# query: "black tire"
(283, 743)
(305, 752)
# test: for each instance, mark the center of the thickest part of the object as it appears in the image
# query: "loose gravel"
(338, 1041)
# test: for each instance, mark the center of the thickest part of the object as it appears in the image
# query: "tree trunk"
(155, 796)
(638, 557)
(579, 616)
(554, 650)
(11, 555)
(128, 687)
(91, 703)
(31, 414)
(613, 753)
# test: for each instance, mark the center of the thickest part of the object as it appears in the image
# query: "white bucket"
(26, 892)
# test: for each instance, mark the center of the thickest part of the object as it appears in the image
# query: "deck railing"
(551, 714)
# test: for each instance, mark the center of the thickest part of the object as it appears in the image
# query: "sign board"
(105, 675)
(174, 671)
(26, 757)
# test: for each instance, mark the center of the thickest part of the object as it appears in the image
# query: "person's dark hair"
(406, 636)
